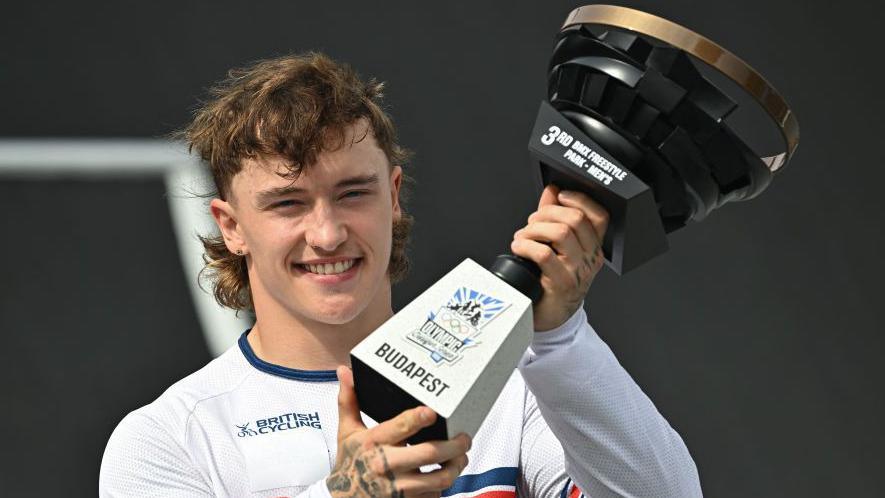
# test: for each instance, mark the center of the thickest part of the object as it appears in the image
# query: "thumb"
(549, 195)
(349, 420)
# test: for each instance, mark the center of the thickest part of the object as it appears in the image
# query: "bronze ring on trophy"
(706, 51)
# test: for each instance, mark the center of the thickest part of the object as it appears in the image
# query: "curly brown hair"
(296, 107)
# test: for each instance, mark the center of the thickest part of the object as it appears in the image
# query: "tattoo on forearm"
(353, 477)
(339, 481)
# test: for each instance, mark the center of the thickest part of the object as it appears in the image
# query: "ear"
(396, 181)
(226, 218)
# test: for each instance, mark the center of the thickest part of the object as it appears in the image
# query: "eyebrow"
(354, 181)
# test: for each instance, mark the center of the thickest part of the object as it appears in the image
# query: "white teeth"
(330, 268)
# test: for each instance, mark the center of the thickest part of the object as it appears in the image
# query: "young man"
(312, 234)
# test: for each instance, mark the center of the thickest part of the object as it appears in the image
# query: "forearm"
(615, 441)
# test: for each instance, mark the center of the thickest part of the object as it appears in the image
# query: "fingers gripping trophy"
(632, 142)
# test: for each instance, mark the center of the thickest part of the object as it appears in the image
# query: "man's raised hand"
(376, 462)
(564, 237)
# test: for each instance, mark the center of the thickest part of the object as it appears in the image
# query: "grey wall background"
(759, 335)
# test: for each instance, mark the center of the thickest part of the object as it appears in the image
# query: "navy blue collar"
(289, 373)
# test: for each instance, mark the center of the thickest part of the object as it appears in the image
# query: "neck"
(284, 339)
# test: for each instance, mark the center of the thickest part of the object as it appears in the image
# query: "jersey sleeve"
(584, 407)
(143, 459)
(542, 466)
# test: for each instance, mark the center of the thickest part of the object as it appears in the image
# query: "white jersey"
(570, 420)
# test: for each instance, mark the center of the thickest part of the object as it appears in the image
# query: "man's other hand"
(376, 462)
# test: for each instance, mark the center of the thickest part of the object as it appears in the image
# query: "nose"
(325, 230)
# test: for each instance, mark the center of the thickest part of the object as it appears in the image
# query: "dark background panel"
(96, 320)
(758, 335)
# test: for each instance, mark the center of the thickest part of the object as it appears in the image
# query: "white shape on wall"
(183, 176)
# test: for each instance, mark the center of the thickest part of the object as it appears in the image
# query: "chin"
(337, 312)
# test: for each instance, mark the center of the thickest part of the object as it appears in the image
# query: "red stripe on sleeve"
(576, 492)
(496, 494)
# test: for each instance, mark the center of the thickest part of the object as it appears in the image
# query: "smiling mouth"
(329, 268)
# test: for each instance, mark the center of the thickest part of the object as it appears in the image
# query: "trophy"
(632, 122)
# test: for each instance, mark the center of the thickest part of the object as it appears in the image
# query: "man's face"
(318, 247)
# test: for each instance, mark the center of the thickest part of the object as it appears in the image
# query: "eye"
(354, 194)
(286, 203)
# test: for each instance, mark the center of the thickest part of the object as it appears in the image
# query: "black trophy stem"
(522, 274)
